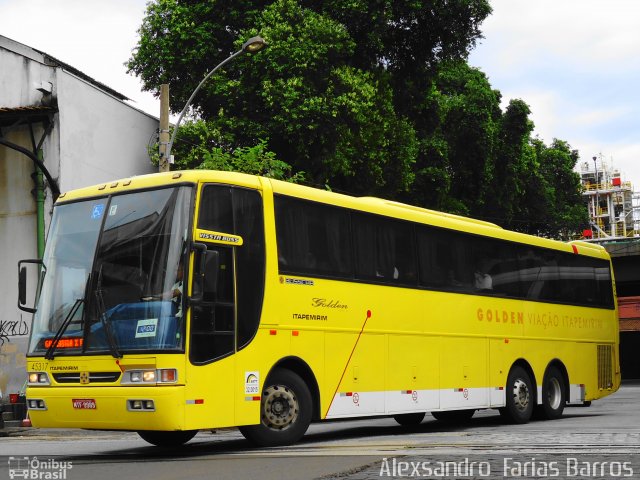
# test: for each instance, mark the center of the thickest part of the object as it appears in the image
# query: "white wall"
(17, 240)
(101, 138)
(20, 76)
(21, 71)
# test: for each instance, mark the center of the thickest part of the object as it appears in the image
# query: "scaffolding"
(614, 208)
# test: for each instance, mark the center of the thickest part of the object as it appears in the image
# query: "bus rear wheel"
(285, 411)
(409, 419)
(167, 439)
(553, 395)
(520, 398)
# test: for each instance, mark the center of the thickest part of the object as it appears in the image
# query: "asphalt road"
(602, 441)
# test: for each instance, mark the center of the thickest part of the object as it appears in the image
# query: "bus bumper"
(107, 408)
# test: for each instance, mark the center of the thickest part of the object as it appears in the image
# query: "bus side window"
(313, 238)
(385, 250)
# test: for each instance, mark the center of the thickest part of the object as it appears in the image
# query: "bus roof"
(367, 204)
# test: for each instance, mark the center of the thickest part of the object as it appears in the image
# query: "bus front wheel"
(520, 396)
(167, 439)
(285, 411)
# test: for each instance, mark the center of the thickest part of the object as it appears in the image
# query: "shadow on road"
(229, 444)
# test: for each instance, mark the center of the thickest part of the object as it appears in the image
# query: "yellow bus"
(185, 301)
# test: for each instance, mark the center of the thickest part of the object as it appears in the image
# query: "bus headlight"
(163, 375)
(38, 378)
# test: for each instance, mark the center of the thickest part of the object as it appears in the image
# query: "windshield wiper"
(103, 318)
(63, 326)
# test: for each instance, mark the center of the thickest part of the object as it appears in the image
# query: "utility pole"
(163, 165)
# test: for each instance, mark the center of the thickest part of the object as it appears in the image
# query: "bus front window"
(113, 275)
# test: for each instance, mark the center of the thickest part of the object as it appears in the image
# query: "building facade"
(59, 130)
(615, 224)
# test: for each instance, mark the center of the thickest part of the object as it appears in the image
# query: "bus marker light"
(273, 332)
(295, 333)
(197, 401)
(168, 375)
(506, 340)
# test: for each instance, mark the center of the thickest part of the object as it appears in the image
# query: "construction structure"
(614, 208)
(614, 213)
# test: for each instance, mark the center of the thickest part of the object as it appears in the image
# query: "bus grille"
(94, 377)
(605, 367)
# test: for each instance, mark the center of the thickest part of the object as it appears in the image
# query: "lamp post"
(253, 45)
(597, 198)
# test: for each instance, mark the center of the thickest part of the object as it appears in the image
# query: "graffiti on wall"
(13, 347)
(12, 328)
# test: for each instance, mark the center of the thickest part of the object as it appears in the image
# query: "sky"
(576, 63)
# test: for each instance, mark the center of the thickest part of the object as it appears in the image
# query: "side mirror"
(205, 274)
(22, 284)
(211, 268)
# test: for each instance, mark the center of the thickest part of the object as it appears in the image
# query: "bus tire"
(520, 396)
(553, 395)
(285, 411)
(167, 439)
(454, 416)
(409, 419)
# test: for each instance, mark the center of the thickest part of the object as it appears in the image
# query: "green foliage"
(372, 97)
(200, 145)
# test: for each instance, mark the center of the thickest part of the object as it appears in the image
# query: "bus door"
(227, 290)
(213, 313)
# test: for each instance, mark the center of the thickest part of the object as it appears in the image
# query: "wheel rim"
(554, 393)
(280, 408)
(520, 395)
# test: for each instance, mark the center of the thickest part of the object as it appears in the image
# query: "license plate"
(84, 403)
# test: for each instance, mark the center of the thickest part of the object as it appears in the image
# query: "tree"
(323, 103)
(567, 212)
(371, 97)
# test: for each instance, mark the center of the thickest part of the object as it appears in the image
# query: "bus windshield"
(112, 275)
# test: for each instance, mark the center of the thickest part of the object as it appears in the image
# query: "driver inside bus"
(174, 294)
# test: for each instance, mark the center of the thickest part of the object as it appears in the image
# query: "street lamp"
(253, 45)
